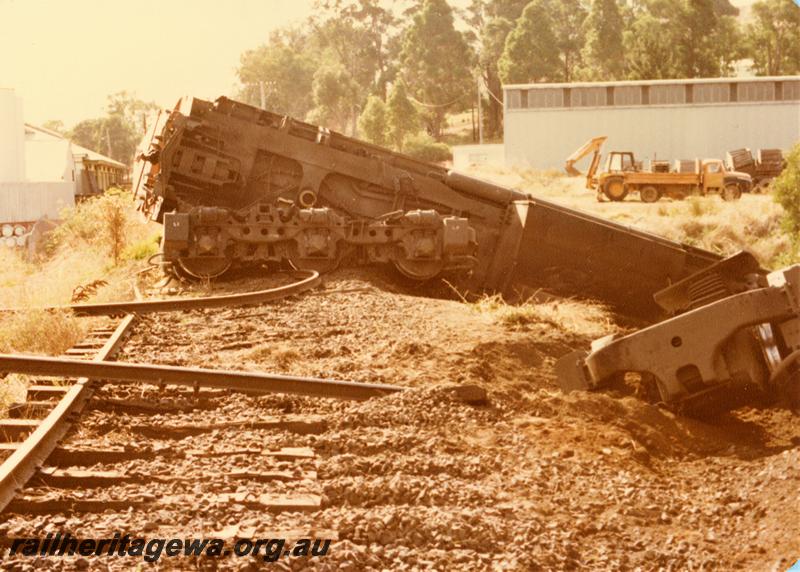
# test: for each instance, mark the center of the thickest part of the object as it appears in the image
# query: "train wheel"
(614, 188)
(321, 264)
(649, 194)
(731, 192)
(203, 267)
(419, 269)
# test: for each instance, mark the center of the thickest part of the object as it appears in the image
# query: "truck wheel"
(649, 194)
(615, 189)
(762, 186)
(731, 192)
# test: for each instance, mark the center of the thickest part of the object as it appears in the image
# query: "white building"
(35, 181)
(661, 119)
(41, 172)
(91, 172)
(12, 137)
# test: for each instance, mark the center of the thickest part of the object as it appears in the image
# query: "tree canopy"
(604, 53)
(435, 63)
(531, 52)
(327, 68)
(774, 37)
(118, 132)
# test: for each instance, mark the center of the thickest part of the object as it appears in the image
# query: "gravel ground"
(419, 480)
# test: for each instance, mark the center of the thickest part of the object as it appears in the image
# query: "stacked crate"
(763, 167)
(769, 162)
(687, 166)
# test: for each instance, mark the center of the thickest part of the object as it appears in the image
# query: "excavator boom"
(593, 145)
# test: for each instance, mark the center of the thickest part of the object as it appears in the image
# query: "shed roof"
(652, 82)
(78, 150)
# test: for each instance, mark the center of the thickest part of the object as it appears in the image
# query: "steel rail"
(251, 382)
(29, 456)
(306, 280)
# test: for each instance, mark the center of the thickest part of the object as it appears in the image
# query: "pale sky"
(65, 56)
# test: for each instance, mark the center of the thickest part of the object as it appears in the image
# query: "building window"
(542, 98)
(588, 97)
(712, 93)
(667, 94)
(513, 98)
(628, 95)
(791, 91)
(756, 91)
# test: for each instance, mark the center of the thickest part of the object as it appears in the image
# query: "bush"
(372, 122)
(143, 249)
(40, 331)
(402, 118)
(422, 146)
(787, 192)
(102, 221)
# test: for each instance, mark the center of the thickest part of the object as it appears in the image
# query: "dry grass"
(40, 331)
(579, 318)
(82, 254)
(12, 389)
(753, 223)
(548, 177)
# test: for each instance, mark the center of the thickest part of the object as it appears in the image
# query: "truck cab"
(729, 184)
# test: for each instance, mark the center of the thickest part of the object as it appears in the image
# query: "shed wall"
(28, 202)
(545, 138)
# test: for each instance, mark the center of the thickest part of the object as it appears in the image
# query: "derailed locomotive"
(235, 185)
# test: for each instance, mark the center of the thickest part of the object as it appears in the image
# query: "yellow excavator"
(623, 174)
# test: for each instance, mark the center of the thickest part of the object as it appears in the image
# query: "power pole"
(480, 113)
(263, 94)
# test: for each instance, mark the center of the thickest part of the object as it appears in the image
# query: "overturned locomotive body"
(235, 185)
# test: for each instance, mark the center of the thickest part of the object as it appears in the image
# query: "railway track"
(302, 281)
(33, 432)
(36, 425)
(159, 450)
(61, 471)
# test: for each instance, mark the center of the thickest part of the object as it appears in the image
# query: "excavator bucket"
(593, 145)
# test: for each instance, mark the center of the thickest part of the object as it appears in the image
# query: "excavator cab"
(620, 161)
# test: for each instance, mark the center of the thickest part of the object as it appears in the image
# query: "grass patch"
(143, 249)
(40, 331)
(12, 390)
(579, 318)
(87, 247)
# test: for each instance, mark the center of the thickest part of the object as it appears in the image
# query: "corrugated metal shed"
(49, 160)
(27, 202)
(663, 119)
